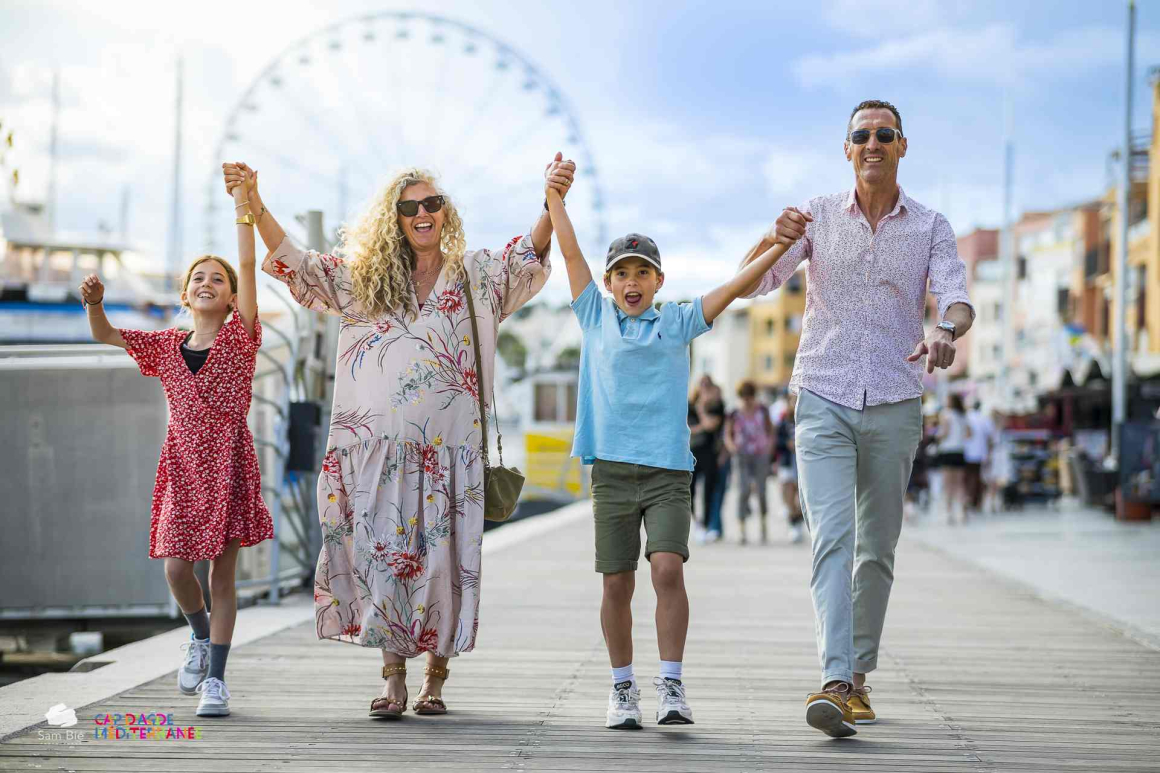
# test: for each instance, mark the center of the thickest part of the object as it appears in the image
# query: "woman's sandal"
(429, 704)
(390, 708)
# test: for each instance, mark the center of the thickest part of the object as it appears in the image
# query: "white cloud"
(875, 18)
(992, 54)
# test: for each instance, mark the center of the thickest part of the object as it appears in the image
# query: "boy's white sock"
(671, 669)
(623, 674)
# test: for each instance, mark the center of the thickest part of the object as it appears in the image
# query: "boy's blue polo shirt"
(632, 402)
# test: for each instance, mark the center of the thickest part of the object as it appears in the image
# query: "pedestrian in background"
(787, 472)
(977, 453)
(706, 427)
(750, 436)
(953, 434)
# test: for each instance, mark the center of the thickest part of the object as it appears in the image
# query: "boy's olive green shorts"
(625, 494)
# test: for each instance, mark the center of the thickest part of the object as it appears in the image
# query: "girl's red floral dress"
(209, 486)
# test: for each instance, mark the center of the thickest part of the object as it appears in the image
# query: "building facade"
(775, 328)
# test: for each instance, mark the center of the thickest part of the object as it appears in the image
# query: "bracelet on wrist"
(85, 304)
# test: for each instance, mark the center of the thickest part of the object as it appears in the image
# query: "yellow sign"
(549, 465)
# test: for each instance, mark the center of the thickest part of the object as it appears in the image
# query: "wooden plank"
(976, 674)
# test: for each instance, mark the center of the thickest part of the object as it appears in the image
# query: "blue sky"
(704, 119)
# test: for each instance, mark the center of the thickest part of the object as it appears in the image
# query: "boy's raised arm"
(579, 275)
(717, 300)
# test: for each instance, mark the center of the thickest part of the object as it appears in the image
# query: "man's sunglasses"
(884, 134)
(411, 208)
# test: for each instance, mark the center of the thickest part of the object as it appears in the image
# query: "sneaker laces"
(196, 653)
(862, 692)
(213, 689)
(623, 694)
(672, 688)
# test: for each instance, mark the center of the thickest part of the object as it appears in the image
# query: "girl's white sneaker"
(195, 667)
(215, 698)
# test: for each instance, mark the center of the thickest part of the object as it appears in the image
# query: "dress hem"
(347, 640)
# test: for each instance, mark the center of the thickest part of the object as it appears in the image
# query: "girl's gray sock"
(199, 622)
(217, 661)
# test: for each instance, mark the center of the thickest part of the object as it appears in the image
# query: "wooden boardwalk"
(977, 674)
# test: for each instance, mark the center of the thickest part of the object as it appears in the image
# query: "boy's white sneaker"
(195, 667)
(672, 708)
(215, 698)
(624, 707)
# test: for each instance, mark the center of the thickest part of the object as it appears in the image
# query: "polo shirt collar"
(650, 313)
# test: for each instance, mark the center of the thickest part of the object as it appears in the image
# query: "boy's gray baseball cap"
(633, 246)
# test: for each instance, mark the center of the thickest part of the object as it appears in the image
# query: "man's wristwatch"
(948, 326)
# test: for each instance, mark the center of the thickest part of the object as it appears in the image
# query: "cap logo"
(633, 243)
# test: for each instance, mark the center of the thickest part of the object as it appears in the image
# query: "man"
(872, 251)
(977, 453)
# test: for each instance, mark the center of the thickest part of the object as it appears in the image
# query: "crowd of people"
(746, 443)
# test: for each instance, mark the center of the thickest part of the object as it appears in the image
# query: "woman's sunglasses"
(884, 134)
(411, 208)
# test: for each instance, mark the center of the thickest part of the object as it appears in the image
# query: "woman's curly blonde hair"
(380, 257)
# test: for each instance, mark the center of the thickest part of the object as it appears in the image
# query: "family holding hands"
(400, 495)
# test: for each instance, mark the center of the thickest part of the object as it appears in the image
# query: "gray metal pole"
(315, 236)
(1120, 338)
(173, 259)
(50, 205)
(1007, 256)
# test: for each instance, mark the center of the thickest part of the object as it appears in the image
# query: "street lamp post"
(1120, 339)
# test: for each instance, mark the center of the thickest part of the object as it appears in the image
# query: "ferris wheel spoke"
(509, 145)
(336, 145)
(356, 102)
(477, 111)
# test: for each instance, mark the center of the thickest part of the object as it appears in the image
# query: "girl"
(207, 502)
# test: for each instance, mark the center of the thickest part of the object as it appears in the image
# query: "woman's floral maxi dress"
(400, 496)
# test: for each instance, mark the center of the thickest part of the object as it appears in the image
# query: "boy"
(631, 426)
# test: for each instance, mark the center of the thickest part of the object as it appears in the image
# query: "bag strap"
(479, 379)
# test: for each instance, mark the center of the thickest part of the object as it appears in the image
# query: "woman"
(787, 475)
(706, 425)
(750, 437)
(953, 432)
(400, 496)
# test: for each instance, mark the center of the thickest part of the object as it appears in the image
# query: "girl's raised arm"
(247, 299)
(93, 293)
(239, 174)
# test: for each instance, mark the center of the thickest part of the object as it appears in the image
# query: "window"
(997, 315)
(794, 324)
(769, 324)
(793, 285)
(1022, 273)
(789, 360)
(769, 362)
(545, 409)
(1062, 301)
(570, 405)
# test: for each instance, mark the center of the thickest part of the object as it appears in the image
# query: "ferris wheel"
(332, 117)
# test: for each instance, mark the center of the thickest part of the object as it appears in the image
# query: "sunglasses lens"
(860, 137)
(433, 203)
(408, 208)
(886, 135)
